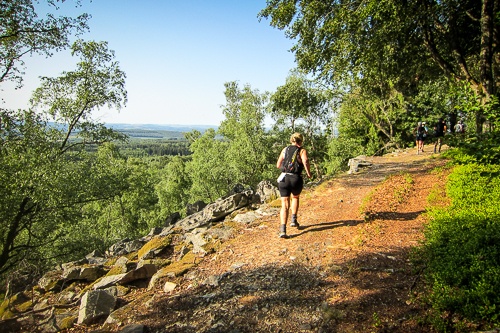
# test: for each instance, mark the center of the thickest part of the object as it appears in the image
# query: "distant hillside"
(151, 134)
(155, 127)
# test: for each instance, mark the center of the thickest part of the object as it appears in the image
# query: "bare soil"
(347, 269)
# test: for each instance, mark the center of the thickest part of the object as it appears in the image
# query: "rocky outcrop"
(89, 291)
(195, 208)
(217, 211)
(358, 162)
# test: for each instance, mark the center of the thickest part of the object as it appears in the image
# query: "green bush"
(462, 247)
(481, 148)
(340, 150)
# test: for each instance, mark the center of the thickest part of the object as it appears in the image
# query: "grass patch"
(462, 249)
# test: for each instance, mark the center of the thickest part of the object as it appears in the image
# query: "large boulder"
(217, 210)
(97, 305)
(88, 273)
(125, 246)
(267, 191)
(195, 208)
(358, 162)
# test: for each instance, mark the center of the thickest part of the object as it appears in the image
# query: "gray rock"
(51, 281)
(96, 305)
(68, 265)
(169, 286)
(94, 254)
(125, 246)
(194, 208)
(95, 258)
(216, 211)
(144, 272)
(172, 219)
(121, 261)
(221, 232)
(198, 241)
(108, 281)
(84, 273)
(155, 231)
(267, 191)
(358, 162)
(212, 280)
(71, 273)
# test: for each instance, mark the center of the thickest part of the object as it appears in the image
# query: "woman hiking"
(419, 137)
(291, 162)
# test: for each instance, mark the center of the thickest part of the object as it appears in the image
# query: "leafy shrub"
(340, 150)
(482, 148)
(462, 245)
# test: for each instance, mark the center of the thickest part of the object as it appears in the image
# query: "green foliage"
(340, 150)
(153, 147)
(242, 156)
(46, 179)
(301, 106)
(462, 247)
(23, 33)
(481, 148)
(173, 188)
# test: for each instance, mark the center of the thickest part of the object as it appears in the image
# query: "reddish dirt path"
(346, 270)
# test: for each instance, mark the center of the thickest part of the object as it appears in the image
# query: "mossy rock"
(25, 306)
(51, 281)
(156, 244)
(67, 322)
(111, 261)
(132, 255)
(212, 247)
(159, 263)
(4, 307)
(177, 230)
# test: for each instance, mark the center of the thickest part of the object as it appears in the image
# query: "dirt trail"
(345, 270)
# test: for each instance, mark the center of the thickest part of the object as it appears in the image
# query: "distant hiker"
(419, 132)
(426, 129)
(292, 160)
(440, 129)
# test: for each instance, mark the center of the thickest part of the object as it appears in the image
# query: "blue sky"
(177, 56)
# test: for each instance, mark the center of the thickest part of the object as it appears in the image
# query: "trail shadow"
(324, 226)
(293, 297)
(396, 216)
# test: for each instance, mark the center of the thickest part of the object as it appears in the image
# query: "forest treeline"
(368, 71)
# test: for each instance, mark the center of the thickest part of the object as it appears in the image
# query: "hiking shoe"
(282, 234)
(295, 224)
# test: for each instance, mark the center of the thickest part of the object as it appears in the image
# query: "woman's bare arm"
(305, 161)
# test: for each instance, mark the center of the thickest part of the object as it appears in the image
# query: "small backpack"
(421, 130)
(290, 163)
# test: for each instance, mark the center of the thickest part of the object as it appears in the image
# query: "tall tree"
(45, 179)
(300, 105)
(22, 33)
(402, 41)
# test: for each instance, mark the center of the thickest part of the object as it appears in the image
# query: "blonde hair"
(297, 138)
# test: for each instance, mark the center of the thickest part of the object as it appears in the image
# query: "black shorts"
(291, 184)
(419, 138)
